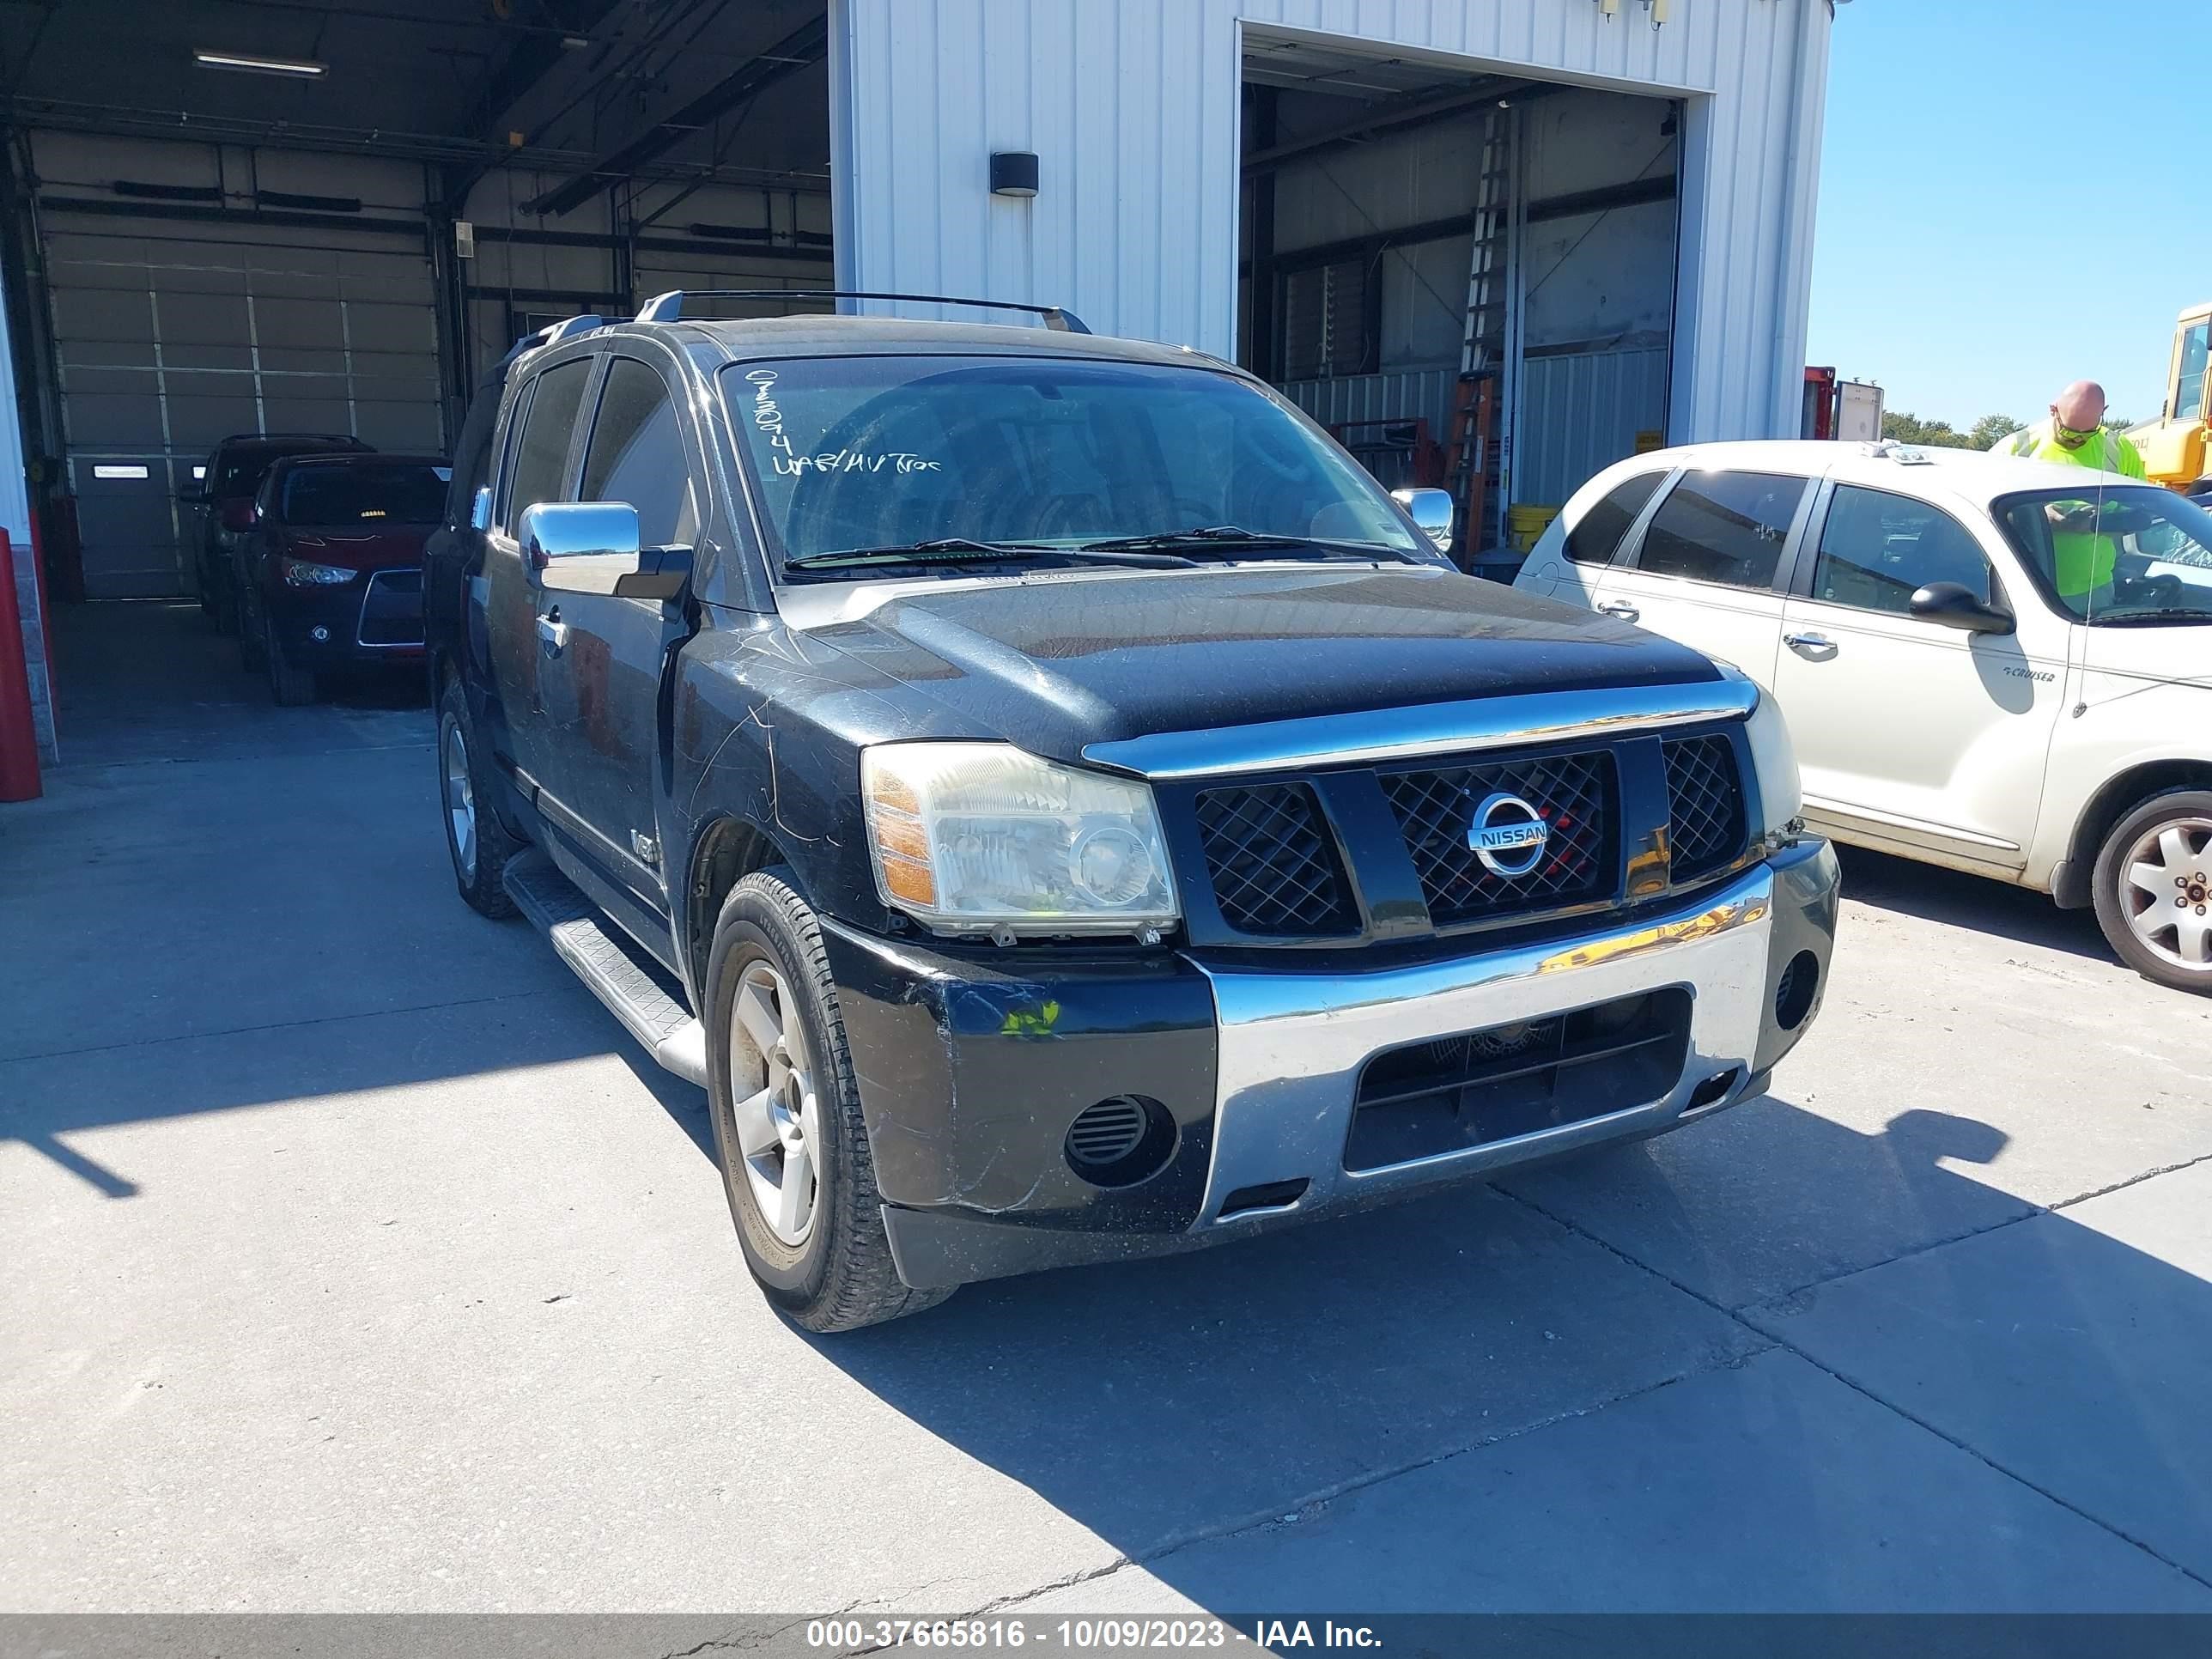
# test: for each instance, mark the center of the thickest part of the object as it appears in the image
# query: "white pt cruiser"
(2001, 665)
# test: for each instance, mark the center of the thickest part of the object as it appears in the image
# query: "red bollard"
(19, 743)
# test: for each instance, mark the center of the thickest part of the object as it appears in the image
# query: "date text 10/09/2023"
(1087, 1635)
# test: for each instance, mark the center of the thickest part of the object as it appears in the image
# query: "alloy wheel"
(460, 800)
(2165, 892)
(774, 1115)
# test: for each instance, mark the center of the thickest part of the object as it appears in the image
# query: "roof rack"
(255, 437)
(567, 328)
(669, 307)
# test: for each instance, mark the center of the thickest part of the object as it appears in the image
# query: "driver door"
(520, 633)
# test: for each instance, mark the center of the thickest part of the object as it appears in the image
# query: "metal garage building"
(323, 214)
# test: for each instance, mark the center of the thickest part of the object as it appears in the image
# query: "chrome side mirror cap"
(480, 508)
(578, 547)
(1431, 510)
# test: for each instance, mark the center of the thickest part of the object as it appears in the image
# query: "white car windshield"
(860, 460)
(2125, 555)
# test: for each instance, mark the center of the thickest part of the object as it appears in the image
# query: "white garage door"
(172, 336)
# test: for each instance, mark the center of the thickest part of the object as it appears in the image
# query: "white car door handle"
(553, 631)
(1621, 609)
(1809, 642)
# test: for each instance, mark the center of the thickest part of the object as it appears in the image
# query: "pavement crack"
(1294, 1511)
(1777, 1340)
(276, 1025)
(2121, 1186)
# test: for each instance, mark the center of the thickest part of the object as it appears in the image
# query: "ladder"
(1468, 458)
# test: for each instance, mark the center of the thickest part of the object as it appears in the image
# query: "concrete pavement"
(355, 1260)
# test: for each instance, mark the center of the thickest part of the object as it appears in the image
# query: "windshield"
(857, 453)
(241, 469)
(377, 493)
(2124, 556)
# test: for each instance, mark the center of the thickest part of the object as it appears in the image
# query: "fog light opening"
(1121, 1141)
(1713, 1090)
(1794, 996)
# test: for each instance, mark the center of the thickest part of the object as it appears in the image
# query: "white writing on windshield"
(767, 421)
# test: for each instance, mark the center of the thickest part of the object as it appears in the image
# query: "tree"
(1990, 428)
(1901, 427)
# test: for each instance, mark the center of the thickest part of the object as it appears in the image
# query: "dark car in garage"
(225, 493)
(330, 574)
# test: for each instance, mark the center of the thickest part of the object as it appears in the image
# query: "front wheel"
(290, 686)
(476, 841)
(2154, 890)
(786, 1115)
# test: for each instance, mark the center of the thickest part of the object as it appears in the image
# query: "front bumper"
(375, 618)
(969, 1079)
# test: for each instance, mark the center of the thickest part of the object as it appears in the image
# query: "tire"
(465, 785)
(2152, 896)
(834, 1271)
(291, 685)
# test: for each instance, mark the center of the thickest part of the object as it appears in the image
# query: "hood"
(360, 550)
(1053, 662)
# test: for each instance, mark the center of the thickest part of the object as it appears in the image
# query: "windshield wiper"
(959, 549)
(1229, 541)
(2168, 613)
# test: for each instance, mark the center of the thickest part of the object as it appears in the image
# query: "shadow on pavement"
(1686, 1461)
(1976, 902)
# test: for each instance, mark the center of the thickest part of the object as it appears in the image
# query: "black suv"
(1060, 808)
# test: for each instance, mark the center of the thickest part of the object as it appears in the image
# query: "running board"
(637, 990)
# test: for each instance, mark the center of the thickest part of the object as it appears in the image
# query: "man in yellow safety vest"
(2075, 435)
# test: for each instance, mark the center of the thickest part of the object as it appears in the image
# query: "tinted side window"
(636, 455)
(1592, 541)
(1876, 549)
(1726, 528)
(536, 475)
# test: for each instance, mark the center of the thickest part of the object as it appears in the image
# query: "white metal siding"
(1580, 412)
(1132, 107)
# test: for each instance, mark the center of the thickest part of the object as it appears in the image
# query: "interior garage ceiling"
(593, 90)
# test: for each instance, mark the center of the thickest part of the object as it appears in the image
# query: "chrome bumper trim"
(1292, 1045)
(1448, 728)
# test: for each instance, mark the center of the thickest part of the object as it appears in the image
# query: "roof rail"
(567, 328)
(255, 437)
(669, 307)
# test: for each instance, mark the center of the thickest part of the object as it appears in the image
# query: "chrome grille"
(1273, 863)
(1704, 804)
(1574, 794)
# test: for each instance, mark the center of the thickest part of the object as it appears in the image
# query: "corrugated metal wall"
(1133, 110)
(1581, 411)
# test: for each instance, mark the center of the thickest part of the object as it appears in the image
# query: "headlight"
(306, 572)
(973, 837)
(1781, 797)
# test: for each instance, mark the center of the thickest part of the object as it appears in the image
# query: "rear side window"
(636, 455)
(546, 428)
(1724, 528)
(1598, 532)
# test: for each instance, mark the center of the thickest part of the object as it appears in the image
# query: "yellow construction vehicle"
(2174, 446)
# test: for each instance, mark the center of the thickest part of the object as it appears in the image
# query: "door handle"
(1621, 609)
(552, 631)
(1809, 642)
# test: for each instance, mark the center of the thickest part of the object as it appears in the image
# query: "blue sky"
(2014, 194)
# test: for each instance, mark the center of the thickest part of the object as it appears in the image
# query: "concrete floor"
(354, 1260)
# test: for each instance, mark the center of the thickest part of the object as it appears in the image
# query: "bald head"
(2080, 407)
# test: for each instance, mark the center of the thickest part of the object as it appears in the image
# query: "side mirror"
(193, 496)
(1431, 510)
(1952, 606)
(240, 516)
(578, 547)
(480, 509)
